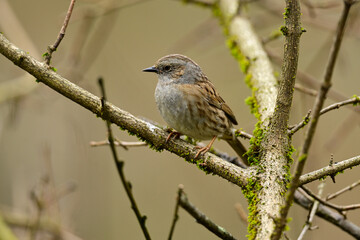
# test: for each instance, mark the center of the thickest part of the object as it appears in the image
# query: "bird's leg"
(203, 150)
(174, 134)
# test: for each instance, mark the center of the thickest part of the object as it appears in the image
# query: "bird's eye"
(167, 68)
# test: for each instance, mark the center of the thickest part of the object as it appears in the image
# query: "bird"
(189, 103)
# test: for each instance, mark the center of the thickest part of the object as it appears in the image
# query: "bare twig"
(201, 218)
(312, 213)
(354, 100)
(122, 144)
(176, 211)
(52, 48)
(329, 215)
(348, 188)
(120, 164)
(273, 36)
(241, 212)
(329, 170)
(318, 198)
(294, 129)
(311, 82)
(319, 102)
(341, 209)
(320, 99)
(38, 198)
(126, 145)
(243, 134)
(306, 90)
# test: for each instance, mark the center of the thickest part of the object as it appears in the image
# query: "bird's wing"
(207, 90)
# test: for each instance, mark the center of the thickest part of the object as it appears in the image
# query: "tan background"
(137, 37)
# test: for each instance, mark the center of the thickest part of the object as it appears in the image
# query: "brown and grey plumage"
(189, 103)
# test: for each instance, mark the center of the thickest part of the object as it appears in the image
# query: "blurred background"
(44, 137)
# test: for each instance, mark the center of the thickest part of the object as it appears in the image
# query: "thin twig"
(120, 164)
(340, 209)
(353, 100)
(306, 90)
(308, 225)
(294, 129)
(202, 219)
(119, 143)
(311, 81)
(176, 211)
(348, 188)
(319, 102)
(329, 170)
(273, 36)
(318, 198)
(329, 215)
(38, 199)
(243, 134)
(241, 212)
(52, 48)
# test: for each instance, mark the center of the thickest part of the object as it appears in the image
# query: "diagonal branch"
(120, 166)
(201, 218)
(53, 48)
(348, 188)
(147, 132)
(329, 215)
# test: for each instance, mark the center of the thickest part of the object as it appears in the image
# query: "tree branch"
(329, 170)
(201, 218)
(348, 188)
(354, 100)
(329, 215)
(271, 105)
(319, 102)
(340, 209)
(147, 132)
(277, 142)
(312, 213)
(53, 48)
(120, 166)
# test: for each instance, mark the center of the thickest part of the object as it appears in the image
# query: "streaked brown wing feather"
(213, 98)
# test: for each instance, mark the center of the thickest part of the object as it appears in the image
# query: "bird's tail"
(238, 148)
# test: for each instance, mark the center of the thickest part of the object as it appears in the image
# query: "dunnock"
(189, 103)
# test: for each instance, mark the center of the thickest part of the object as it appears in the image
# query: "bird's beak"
(151, 69)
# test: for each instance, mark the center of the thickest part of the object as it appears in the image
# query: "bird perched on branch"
(189, 103)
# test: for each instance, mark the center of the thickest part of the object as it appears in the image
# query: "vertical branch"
(120, 165)
(277, 143)
(319, 102)
(176, 211)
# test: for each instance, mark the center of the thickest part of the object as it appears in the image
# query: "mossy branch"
(146, 131)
